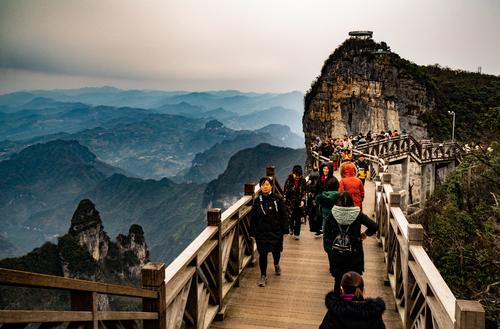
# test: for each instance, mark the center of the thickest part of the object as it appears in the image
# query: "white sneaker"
(296, 237)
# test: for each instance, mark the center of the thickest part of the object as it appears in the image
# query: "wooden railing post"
(85, 301)
(270, 171)
(250, 188)
(385, 178)
(153, 278)
(415, 238)
(395, 199)
(214, 219)
(469, 314)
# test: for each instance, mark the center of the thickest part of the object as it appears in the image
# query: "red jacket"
(353, 185)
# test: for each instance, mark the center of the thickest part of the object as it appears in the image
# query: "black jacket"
(356, 314)
(294, 195)
(268, 219)
(331, 183)
(354, 261)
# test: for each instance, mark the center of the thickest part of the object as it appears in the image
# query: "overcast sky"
(250, 45)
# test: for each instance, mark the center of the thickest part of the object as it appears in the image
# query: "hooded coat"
(355, 314)
(294, 194)
(350, 219)
(352, 184)
(326, 201)
(330, 184)
(268, 222)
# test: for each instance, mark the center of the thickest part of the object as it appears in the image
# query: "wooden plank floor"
(296, 298)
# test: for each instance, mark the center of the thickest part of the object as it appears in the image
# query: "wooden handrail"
(30, 279)
(33, 316)
(420, 292)
(408, 145)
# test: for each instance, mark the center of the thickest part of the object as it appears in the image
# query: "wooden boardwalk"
(296, 298)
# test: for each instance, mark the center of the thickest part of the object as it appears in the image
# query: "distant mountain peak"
(213, 125)
(86, 216)
(56, 150)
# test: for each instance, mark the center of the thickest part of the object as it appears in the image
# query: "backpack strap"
(262, 208)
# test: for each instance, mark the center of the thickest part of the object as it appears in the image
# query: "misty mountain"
(259, 119)
(156, 145)
(170, 214)
(230, 100)
(44, 116)
(41, 186)
(249, 165)
(209, 164)
(191, 111)
(43, 176)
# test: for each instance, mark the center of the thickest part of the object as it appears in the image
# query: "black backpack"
(342, 242)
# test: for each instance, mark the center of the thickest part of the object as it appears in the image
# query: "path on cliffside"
(296, 298)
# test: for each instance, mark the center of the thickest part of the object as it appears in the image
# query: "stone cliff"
(85, 252)
(123, 258)
(363, 86)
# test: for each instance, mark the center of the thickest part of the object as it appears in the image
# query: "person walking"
(351, 183)
(363, 168)
(343, 239)
(295, 194)
(350, 309)
(326, 182)
(326, 201)
(268, 224)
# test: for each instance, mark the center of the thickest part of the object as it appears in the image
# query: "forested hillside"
(462, 225)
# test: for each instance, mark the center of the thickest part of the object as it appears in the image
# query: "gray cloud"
(249, 45)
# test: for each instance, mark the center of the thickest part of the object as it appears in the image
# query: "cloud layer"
(254, 45)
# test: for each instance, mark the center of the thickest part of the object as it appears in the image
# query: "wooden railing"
(83, 300)
(423, 299)
(189, 293)
(392, 149)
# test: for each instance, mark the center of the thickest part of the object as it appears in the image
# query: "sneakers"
(318, 235)
(296, 237)
(262, 281)
(277, 269)
(290, 232)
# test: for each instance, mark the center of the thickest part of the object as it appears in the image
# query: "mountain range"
(142, 157)
(41, 186)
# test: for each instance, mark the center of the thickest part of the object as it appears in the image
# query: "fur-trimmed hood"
(345, 215)
(363, 309)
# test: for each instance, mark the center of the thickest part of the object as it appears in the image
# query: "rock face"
(363, 87)
(123, 259)
(86, 228)
(135, 245)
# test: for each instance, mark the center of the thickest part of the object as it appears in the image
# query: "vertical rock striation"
(363, 87)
